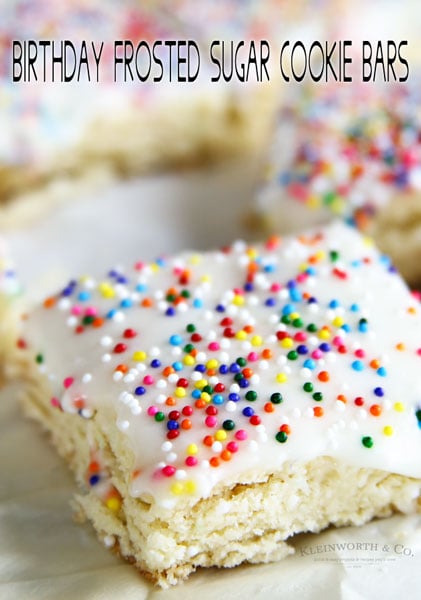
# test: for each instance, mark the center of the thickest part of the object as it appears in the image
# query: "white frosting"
(364, 313)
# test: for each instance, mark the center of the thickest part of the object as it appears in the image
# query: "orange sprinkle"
(179, 300)
(376, 410)
(49, 302)
(267, 353)
(269, 407)
(200, 403)
(147, 302)
(168, 371)
(285, 428)
(342, 398)
(93, 467)
(253, 267)
(170, 401)
(122, 368)
(226, 455)
(375, 364)
(136, 473)
(79, 403)
(172, 291)
(400, 346)
(193, 352)
(247, 372)
(318, 411)
(214, 461)
(208, 440)
(323, 376)
(186, 424)
(211, 372)
(98, 322)
(412, 310)
(248, 328)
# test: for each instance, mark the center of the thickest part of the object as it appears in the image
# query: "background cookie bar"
(10, 293)
(355, 152)
(214, 405)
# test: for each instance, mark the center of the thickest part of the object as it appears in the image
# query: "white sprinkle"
(211, 335)
(173, 378)
(176, 351)
(166, 446)
(306, 373)
(196, 376)
(253, 300)
(235, 388)
(119, 317)
(225, 343)
(246, 346)
(180, 474)
(87, 413)
(253, 445)
(109, 541)
(296, 413)
(331, 357)
(71, 321)
(263, 365)
(273, 319)
(213, 380)
(162, 305)
(201, 357)
(313, 308)
(106, 358)
(129, 378)
(205, 464)
(154, 351)
(362, 413)
(255, 378)
(223, 357)
(123, 425)
(231, 406)
(340, 406)
(313, 341)
(118, 375)
(161, 384)
(309, 412)
(136, 409)
(158, 295)
(63, 304)
(106, 341)
(217, 447)
(208, 315)
(171, 457)
(86, 378)
(281, 360)
(160, 399)
(182, 307)
(232, 310)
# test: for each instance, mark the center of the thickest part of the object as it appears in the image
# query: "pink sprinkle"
(139, 266)
(275, 287)
(253, 356)
(238, 291)
(211, 421)
(316, 354)
(191, 461)
(168, 470)
(213, 346)
(76, 310)
(359, 353)
(301, 277)
(91, 311)
(301, 336)
(152, 410)
(55, 402)
(232, 446)
(419, 351)
(68, 382)
(177, 270)
(241, 434)
(338, 341)
(148, 380)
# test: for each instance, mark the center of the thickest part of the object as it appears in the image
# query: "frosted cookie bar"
(10, 293)
(214, 405)
(353, 152)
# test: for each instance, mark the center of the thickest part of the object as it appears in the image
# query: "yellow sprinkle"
(201, 384)
(399, 406)
(206, 279)
(155, 267)
(106, 290)
(190, 486)
(252, 253)
(368, 241)
(400, 346)
(189, 360)
(338, 322)
(221, 435)
(113, 503)
(177, 488)
(294, 316)
(320, 255)
(238, 300)
(195, 259)
(256, 340)
(205, 396)
(281, 377)
(324, 334)
(337, 206)
(313, 202)
(180, 392)
(139, 356)
(388, 430)
(241, 335)
(212, 364)
(287, 342)
(192, 449)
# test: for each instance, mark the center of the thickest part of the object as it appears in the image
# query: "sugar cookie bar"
(214, 405)
(353, 152)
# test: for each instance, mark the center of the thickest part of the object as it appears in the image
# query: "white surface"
(43, 554)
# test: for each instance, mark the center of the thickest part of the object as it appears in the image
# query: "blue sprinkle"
(172, 425)
(312, 300)
(382, 372)
(244, 383)
(270, 302)
(309, 363)
(355, 307)
(295, 294)
(288, 309)
(94, 479)
(176, 340)
(311, 271)
(155, 363)
(218, 399)
(177, 366)
(220, 308)
(160, 262)
(234, 397)
(325, 347)
(196, 394)
(363, 326)
(234, 368)
(269, 268)
(110, 314)
(83, 296)
(378, 391)
(197, 303)
(113, 273)
(126, 303)
(249, 287)
(357, 365)
(141, 287)
(122, 279)
(248, 411)
(201, 368)
(302, 349)
(140, 390)
(223, 369)
(334, 304)
(346, 327)
(170, 312)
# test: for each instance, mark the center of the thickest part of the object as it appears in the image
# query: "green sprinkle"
(159, 416)
(188, 348)
(238, 377)
(185, 294)
(285, 320)
(308, 386)
(281, 437)
(208, 389)
(292, 355)
(334, 255)
(241, 361)
(367, 441)
(276, 398)
(191, 328)
(251, 395)
(170, 297)
(312, 328)
(88, 319)
(318, 396)
(228, 425)
(39, 358)
(297, 323)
